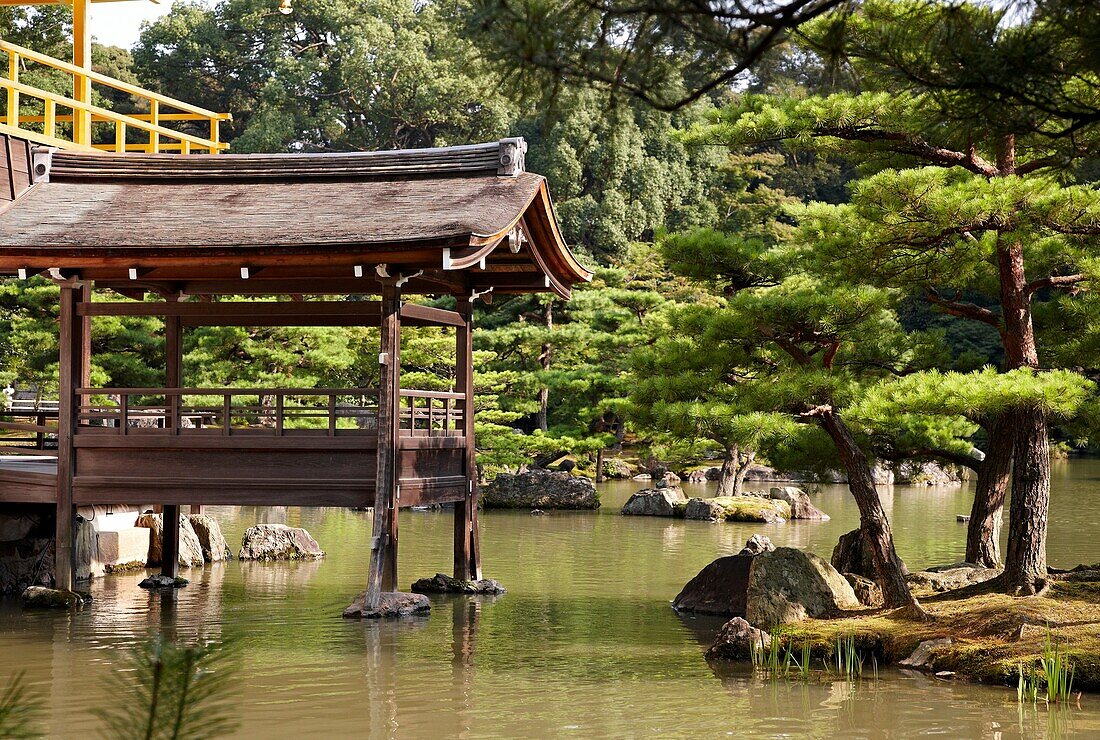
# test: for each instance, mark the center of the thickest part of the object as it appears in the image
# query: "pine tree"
(981, 206)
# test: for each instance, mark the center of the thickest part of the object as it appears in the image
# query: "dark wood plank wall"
(15, 161)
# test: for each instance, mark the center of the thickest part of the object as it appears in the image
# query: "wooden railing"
(431, 413)
(82, 114)
(228, 411)
(28, 431)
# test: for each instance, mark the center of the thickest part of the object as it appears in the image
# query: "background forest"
(660, 199)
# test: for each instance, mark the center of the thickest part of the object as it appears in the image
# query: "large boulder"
(190, 554)
(799, 501)
(720, 587)
(737, 640)
(853, 555)
(540, 489)
(278, 542)
(737, 509)
(655, 502)
(788, 585)
(214, 547)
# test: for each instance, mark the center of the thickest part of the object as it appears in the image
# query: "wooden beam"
(70, 368)
(428, 316)
(382, 575)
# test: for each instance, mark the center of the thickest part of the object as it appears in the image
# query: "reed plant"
(19, 710)
(1053, 682)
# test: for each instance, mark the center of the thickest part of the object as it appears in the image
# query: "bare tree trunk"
(744, 462)
(727, 477)
(984, 531)
(872, 518)
(544, 363)
(1026, 561)
(599, 466)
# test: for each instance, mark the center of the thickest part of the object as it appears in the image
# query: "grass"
(778, 659)
(1055, 637)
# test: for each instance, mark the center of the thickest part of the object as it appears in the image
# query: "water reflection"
(584, 642)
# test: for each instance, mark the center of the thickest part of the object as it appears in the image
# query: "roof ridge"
(505, 157)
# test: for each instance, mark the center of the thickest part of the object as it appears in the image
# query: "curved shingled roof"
(469, 217)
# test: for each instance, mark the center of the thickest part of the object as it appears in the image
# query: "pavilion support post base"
(390, 605)
(441, 583)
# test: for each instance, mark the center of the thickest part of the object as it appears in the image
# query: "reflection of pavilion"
(456, 222)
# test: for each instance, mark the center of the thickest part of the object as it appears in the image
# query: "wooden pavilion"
(146, 234)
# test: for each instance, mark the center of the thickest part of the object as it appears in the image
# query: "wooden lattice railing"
(79, 111)
(228, 411)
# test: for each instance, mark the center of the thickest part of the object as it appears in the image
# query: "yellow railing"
(83, 114)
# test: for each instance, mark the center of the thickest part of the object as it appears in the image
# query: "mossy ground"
(989, 645)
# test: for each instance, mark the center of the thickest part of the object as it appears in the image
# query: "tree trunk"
(599, 466)
(1026, 561)
(544, 362)
(872, 518)
(744, 462)
(983, 533)
(728, 485)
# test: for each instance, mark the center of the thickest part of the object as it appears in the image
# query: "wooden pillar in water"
(467, 561)
(383, 563)
(71, 370)
(173, 358)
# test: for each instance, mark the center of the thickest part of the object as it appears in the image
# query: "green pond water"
(584, 644)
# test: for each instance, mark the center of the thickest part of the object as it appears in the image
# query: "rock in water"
(737, 509)
(799, 501)
(393, 604)
(866, 590)
(787, 585)
(279, 542)
(190, 547)
(214, 547)
(442, 583)
(540, 489)
(925, 653)
(736, 641)
(757, 544)
(720, 587)
(40, 597)
(655, 502)
(852, 555)
(161, 581)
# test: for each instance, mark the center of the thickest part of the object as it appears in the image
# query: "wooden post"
(70, 369)
(467, 560)
(173, 359)
(383, 563)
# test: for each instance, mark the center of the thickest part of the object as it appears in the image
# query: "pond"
(583, 644)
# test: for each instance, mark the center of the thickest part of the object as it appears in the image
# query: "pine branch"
(962, 309)
(1056, 281)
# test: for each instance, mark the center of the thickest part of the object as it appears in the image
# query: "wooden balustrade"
(227, 411)
(431, 413)
(28, 432)
(43, 128)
